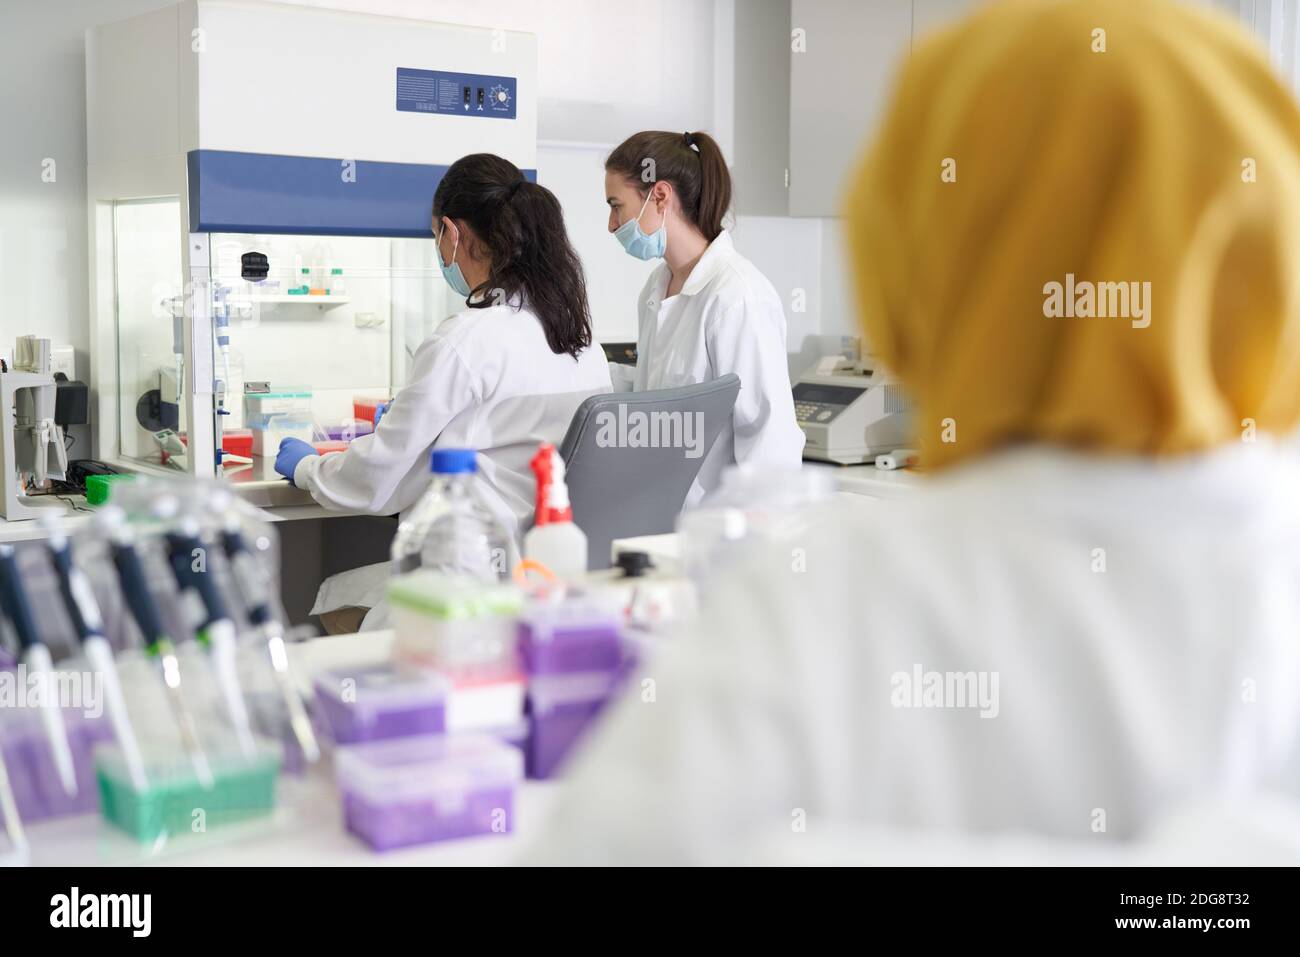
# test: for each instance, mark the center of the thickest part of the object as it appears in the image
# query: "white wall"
(801, 258)
(576, 174)
(605, 70)
(43, 271)
(1276, 23)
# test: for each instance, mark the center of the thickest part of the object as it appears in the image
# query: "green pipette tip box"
(98, 487)
(177, 803)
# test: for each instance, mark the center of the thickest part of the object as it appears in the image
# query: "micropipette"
(135, 586)
(13, 599)
(215, 627)
(9, 808)
(83, 609)
(249, 579)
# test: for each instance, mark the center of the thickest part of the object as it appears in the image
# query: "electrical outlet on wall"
(64, 359)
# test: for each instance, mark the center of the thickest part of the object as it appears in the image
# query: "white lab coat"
(1142, 618)
(485, 380)
(727, 318)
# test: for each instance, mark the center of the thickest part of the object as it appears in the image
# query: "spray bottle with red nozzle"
(554, 541)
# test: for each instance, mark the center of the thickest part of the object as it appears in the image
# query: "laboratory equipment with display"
(851, 412)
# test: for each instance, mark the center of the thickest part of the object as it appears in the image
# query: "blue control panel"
(307, 195)
(459, 94)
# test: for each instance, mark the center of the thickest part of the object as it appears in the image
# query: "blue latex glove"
(380, 409)
(292, 451)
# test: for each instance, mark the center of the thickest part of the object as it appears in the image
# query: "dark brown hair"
(691, 162)
(521, 226)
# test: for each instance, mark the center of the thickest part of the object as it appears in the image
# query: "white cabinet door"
(761, 116)
(838, 88)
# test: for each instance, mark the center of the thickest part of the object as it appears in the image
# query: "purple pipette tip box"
(346, 431)
(403, 824)
(381, 701)
(559, 639)
(417, 790)
(38, 789)
(561, 709)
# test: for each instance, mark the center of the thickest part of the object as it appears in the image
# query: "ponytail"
(522, 227)
(691, 162)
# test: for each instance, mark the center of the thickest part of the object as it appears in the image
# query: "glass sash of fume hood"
(330, 328)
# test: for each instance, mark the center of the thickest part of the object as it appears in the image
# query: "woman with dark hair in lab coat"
(706, 311)
(501, 376)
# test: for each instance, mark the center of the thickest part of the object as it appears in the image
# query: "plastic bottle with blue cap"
(449, 529)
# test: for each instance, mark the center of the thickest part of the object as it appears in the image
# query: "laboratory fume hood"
(260, 182)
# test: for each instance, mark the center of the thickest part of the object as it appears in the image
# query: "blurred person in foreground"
(1110, 536)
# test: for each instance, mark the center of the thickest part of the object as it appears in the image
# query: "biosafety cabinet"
(260, 189)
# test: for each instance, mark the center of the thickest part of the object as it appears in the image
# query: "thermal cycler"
(850, 415)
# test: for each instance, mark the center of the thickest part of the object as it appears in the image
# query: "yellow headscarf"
(1111, 141)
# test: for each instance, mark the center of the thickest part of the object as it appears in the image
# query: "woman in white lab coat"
(501, 376)
(1087, 617)
(706, 311)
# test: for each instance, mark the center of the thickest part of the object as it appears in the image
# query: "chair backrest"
(631, 457)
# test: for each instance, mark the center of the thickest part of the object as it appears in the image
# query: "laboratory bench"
(74, 511)
(283, 502)
(316, 542)
(308, 829)
(870, 481)
(858, 481)
(68, 507)
(310, 834)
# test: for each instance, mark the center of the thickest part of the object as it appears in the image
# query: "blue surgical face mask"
(637, 243)
(455, 278)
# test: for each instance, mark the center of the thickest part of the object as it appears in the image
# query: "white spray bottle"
(554, 541)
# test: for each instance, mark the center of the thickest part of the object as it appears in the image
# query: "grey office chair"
(629, 463)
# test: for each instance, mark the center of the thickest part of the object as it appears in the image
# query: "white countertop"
(857, 479)
(26, 530)
(871, 481)
(307, 829)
